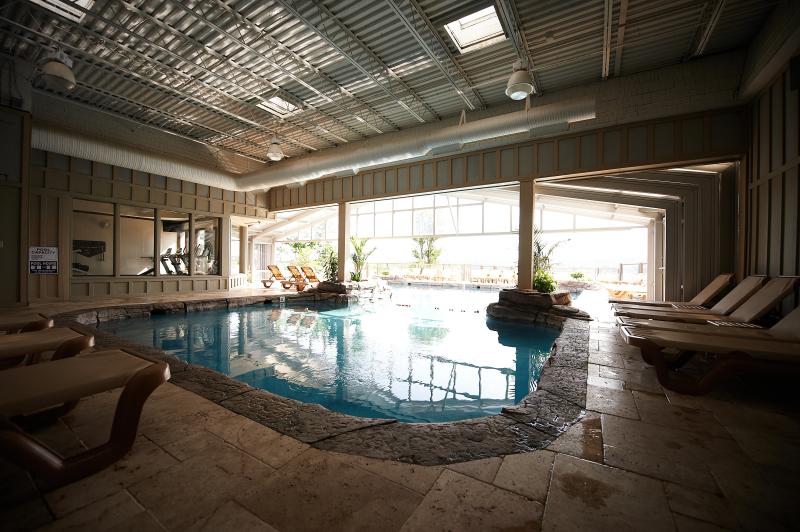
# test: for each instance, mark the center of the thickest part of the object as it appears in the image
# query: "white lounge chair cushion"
(29, 389)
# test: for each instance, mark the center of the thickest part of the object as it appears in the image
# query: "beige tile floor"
(641, 459)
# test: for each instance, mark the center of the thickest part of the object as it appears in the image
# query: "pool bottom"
(532, 424)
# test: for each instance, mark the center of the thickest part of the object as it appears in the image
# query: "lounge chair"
(733, 354)
(27, 347)
(311, 277)
(19, 320)
(296, 274)
(277, 276)
(787, 329)
(725, 306)
(701, 300)
(53, 388)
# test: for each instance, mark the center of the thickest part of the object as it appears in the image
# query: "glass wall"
(92, 238)
(137, 234)
(175, 244)
(206, 253)
(93, 246)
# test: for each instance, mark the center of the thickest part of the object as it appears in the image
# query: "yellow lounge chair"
(277, 276)
(49, 390)
(311, 277)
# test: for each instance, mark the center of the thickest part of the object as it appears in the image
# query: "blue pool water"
(426, 355)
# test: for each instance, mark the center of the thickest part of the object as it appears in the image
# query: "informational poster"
(43, 260)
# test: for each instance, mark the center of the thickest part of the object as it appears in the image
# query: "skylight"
(278, 106)
(477, 30)
(66, 8)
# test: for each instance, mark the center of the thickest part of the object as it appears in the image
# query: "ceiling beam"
(420, 27)
(507, 11)
(708, 29)
(608, 15)
(621, 26)
(376, 70)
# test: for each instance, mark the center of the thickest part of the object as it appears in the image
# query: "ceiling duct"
(384, 149)
(56, 141)
(416, 142)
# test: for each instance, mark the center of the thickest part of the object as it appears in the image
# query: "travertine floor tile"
(484, 470)
(699, 504)
(583, 440)
(611, 401)
(190, 490)
(656, 410)
(644, 380)
(588, 496)
(460, 503)
(414, 477)
(318, 491)
(145, 460)
(663, 452)
(527, 474)
(689, 524)
(100, 515)
(231, 517)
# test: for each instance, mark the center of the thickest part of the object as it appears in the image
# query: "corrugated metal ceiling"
(353, 68)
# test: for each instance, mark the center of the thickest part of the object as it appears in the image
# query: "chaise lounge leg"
(35, 456)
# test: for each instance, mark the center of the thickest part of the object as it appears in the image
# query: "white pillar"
(243, 249)
(343, 252)
(527, 205)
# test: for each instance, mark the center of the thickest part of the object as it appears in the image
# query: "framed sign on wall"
(43, 260)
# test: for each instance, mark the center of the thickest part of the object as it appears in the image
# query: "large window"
(175, 243)
(92, 238)
(206, 253)
(137, 240)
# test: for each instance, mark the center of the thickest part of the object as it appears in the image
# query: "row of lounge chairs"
(35, 391)
(670, 334)
(299, 280)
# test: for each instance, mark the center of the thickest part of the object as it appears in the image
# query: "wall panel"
(774, 162)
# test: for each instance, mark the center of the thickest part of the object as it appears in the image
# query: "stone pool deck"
(641, 459)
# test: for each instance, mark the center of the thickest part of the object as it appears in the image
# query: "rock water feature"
(535, 308)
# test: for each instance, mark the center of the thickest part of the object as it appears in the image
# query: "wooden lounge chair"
(27, 347)
(787, 329)
(52, 388)
(725, 306)
(733, 354)
(311, 277)
(277, 276)
(24, 320)
(764, 300)
(701, 300)
(299, 281)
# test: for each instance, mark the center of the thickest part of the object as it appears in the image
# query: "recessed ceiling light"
(476, 30)
(66, 8)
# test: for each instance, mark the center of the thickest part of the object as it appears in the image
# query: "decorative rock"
(336, 288)
(169, 307)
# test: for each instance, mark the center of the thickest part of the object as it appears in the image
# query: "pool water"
(427, 355)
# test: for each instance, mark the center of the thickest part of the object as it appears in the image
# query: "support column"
(527, 204)
(343, 251)
(243, 249)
